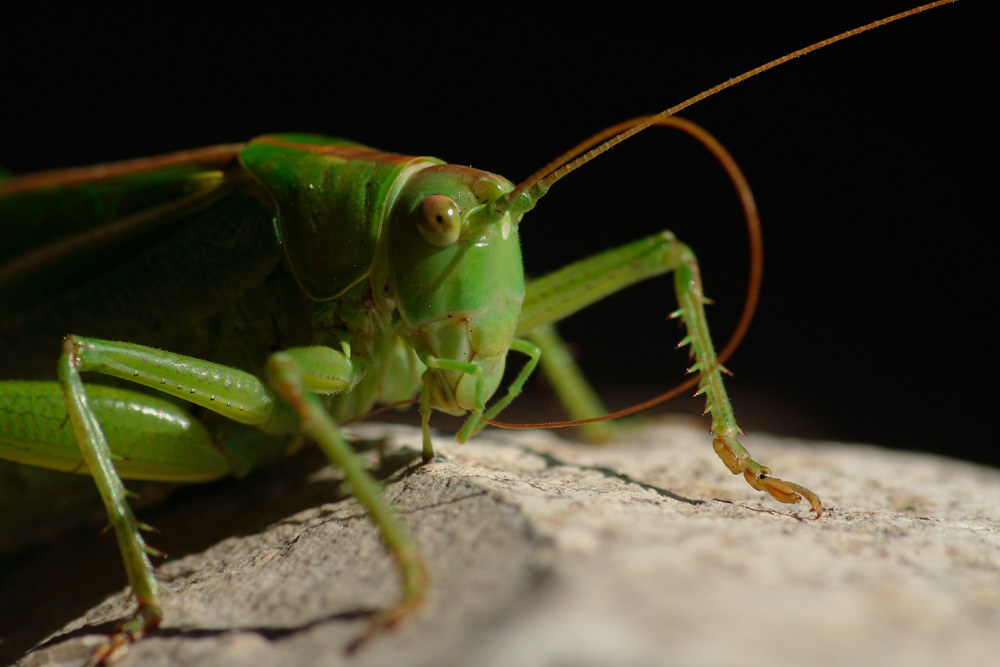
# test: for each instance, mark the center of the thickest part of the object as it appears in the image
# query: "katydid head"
(457, 281)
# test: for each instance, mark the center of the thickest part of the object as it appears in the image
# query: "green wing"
(72, 222)
(136, 251)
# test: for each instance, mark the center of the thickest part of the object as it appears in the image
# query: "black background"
(866, 160)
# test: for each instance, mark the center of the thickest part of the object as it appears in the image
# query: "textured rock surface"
(548, 552)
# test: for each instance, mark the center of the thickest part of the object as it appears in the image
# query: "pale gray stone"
(545, 552)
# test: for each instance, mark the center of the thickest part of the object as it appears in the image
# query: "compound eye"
(438, 220)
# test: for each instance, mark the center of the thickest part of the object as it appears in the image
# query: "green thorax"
(331, 197)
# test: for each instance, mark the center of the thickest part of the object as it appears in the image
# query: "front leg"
(298, 376)
(687, 281)
(572, 288)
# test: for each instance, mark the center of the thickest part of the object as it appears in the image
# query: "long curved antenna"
(585, 151)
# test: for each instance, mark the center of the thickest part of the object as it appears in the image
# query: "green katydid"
(387, 326)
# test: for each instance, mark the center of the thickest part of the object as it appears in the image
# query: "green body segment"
(331, 198)
(154, 438)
